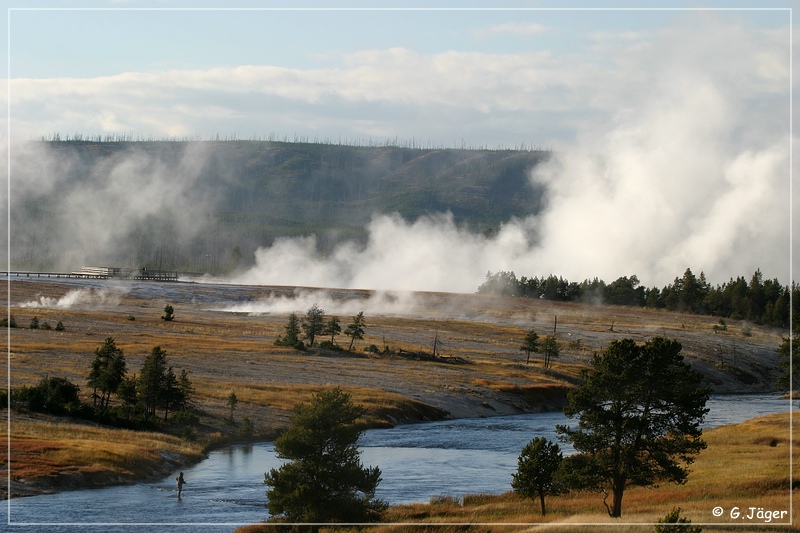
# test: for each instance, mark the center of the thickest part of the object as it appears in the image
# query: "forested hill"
(207, 205)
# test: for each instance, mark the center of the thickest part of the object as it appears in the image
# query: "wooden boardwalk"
(100, 273)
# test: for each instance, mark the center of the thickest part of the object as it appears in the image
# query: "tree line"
(761, 301)
(140, 397)
(302, 333)
(274, 138)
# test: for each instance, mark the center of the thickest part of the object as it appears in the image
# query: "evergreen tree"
(790, 379)
(323, 480)
(129, 395)
(170, 397)
(169, 313)
(152, 380)
(536, 470)
(332, 328)
(640, 409)
(232, 402)
(550, 350)
(355, 330)
(674, 517)
(186, 390)
(292, 337)
(314, 323)
(107, 372)
(530, 345)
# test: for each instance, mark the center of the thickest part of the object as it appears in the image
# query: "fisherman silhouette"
(180, 481)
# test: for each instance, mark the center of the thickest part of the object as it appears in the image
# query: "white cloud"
(512, 28)
(399, 79)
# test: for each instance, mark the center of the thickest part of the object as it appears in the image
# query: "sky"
(669, 121)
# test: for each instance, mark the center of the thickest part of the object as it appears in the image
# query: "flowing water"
(454, 458)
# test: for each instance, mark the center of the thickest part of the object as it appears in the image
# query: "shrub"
(8, 322)
(34, 323)
(56, 396)
(246, 429)
(674, 517)
(445, 500)
(328, 345)
(184, 418)
(298, 345)
(60, 326)
(169, 313)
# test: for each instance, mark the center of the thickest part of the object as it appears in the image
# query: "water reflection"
(417, 461)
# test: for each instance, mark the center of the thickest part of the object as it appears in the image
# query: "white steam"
(386, 303)
(79, 298)
(128, 204)
(429, 254)
(692, 171)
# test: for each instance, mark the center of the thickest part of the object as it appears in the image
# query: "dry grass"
(44, 449)
(379, 405)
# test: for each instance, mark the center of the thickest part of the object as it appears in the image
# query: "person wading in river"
(180, 481)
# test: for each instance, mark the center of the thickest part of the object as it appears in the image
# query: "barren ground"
(234, 351)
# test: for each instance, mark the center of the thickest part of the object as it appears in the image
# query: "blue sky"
(671, 126)
(95, 43)
(306, 49)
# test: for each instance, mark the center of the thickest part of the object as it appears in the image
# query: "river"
(453, 457)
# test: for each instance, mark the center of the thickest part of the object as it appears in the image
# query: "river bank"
(48, 453)
(223, 335)
(454, 465)
(741, 481)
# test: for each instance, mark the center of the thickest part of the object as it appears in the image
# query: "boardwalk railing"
(101, 273)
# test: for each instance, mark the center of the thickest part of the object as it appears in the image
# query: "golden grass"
(44, 447)
(379, 405)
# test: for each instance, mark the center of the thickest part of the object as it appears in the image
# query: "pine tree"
(355, 330)
(186, 390)
(536, 470)
(292, 337)
(152, 380)
(530, 345)
(550, 350)
(107, 372)
(640, 409)
(332, 328)
(323, 480)
(314, 323)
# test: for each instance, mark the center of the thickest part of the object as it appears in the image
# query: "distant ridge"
(244, 194)
(355, 142)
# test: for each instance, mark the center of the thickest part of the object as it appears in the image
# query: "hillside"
(205, 206)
